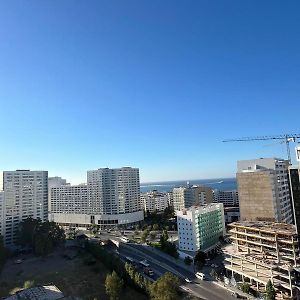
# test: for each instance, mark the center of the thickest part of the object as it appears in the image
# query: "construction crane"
(285, 138)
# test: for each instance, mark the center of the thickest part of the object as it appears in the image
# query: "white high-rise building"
(54, 182)
(25, 195)
(200, 227)
(264, 193)
(113, 198)
(154, 201)
(70, 199)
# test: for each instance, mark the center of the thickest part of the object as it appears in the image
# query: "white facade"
(154, 201)
(70, 199)
(200, 227)
(183, 197)
(110, 198)
(54, 182)
(26, 195)
(114, 191)
(228, 198)
(277, 171)
(170, 199)
(84, 220)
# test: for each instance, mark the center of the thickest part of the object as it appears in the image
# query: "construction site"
(264, 251)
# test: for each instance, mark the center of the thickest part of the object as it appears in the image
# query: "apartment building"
(54, 182)
(154, 201)
(200, 227)
(110, 198)
(183, 197)
(228, 198)
(70, 199)
(25, 195)
(263, 188)
(170, 199)
(263, 251)
(202, 195)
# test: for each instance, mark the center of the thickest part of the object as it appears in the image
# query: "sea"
(221, 184)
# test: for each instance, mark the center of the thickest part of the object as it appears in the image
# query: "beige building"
(263, 189)
(263, 251)
(203, 195)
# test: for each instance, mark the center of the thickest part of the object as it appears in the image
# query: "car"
(200, 275)
(188, 280)
(18, 261)
(148, 271)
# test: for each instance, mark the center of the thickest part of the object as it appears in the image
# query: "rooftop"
(271, 227)
(47, 292)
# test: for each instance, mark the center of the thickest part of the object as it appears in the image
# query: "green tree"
(27, 231)
(188, 260)
(270, 291)
(155, 227)
(43, 237)
(199, 259)
(93, 228)
(3, 253)
(29, 284)
(245, 287)
(152, 235)
(213, 274)
(165, 288)
(113, 286)
(144, 236)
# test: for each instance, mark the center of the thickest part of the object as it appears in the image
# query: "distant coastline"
(222, 184)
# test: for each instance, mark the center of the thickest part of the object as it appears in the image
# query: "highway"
(203, 289)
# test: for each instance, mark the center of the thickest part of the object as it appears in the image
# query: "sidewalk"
(233, 290)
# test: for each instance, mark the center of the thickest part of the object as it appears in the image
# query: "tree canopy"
(165, 288)
(43, 237)
(270, 291)
(113, 286)
(199, 259)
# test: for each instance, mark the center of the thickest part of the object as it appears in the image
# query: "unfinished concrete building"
(263, 251)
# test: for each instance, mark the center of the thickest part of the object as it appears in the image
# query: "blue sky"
(151, 84)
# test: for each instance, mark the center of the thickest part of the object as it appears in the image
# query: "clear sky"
(150, 84)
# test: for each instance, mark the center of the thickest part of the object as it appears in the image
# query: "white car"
(18, 261)
(188, 280)
(200, 275)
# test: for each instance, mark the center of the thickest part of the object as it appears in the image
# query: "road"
(207, 290)
(203, 289)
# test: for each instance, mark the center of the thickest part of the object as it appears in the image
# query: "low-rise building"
(263, 251)
(200, 227)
